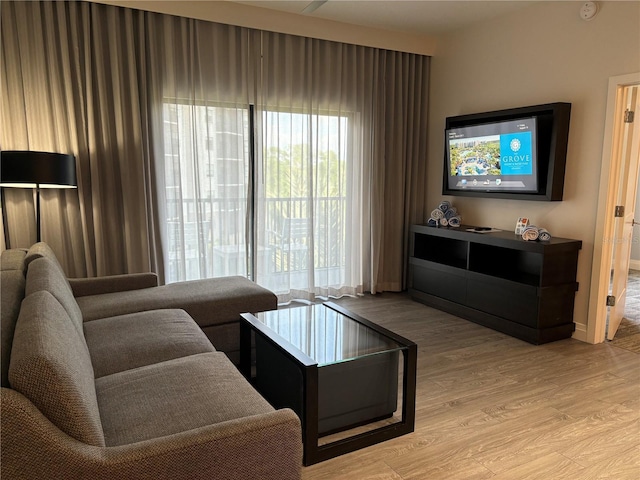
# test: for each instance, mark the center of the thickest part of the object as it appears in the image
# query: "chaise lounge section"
(141, 394)
(215, 304)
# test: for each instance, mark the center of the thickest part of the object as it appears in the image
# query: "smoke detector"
(588, 10)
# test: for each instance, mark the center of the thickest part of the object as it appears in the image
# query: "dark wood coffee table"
(335, 369)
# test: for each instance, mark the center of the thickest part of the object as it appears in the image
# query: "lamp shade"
(27, 169)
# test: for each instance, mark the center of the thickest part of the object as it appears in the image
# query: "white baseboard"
(634, 264)
(580, 332)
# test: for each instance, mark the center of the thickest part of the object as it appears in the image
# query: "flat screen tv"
(518, 153)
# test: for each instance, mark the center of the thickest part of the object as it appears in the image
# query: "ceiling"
(419, 17)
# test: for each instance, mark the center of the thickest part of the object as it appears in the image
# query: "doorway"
(628, 335)
(617, 199)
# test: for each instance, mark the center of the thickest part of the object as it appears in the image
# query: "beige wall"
(282, 22)
(542, 54)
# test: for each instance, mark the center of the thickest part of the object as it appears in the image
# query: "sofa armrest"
(266, 446)
(113, 283)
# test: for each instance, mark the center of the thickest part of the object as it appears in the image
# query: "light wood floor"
(628, 335)
(491, 406)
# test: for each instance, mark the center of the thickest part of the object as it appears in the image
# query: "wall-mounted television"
(518, 153)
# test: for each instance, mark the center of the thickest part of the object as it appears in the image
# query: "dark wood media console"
(522, 288)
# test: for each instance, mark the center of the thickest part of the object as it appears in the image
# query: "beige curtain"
(96, 80)
(399, 163)
(75, 79)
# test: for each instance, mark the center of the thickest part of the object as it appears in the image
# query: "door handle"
(633, 222)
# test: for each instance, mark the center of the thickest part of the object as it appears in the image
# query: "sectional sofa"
(113, 378)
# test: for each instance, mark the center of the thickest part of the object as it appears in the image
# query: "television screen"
(497, 156)
(518, 153)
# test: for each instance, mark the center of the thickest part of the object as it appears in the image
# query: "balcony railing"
(207, 238)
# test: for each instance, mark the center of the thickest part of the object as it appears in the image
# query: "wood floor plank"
(490, 406)
(372, 471)
(622, 466)
(597, 449)
(502, 459)
(552, 465)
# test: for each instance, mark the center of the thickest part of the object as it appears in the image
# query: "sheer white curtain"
(343, 145)
(312, 220)
(339, 166)
(204, 169)
(293, 219)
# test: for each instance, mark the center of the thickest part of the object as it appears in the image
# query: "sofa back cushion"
(42, 250)
(13, 259)
(44, 275)
(11, 295)
(51, 366)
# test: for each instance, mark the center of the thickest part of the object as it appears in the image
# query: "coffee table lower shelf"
(336, 397)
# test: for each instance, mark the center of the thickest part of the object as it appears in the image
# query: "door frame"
(602, 251)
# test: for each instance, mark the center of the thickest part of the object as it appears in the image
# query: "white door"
(627, 150)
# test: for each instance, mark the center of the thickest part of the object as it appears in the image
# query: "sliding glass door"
(206, 190)
(293, 239)
(302, 202)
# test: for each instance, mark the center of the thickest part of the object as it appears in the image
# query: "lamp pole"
(5, 226)
(38, 235)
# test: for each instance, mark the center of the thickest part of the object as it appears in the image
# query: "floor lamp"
(27, 169)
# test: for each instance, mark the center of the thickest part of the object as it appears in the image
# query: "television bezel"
(551, 162)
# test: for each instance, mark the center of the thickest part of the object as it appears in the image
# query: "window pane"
(305, 199)
(206, 177)
(302, 235)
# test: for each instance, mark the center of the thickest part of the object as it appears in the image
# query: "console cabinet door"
(503, 298)
(442, 281)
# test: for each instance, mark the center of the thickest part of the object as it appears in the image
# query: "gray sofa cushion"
(42, 250)
(11, 295)
(142, 339)
(174, 396)
(13, 259)
(50, 365)
(112, 283)
(212, 301)
(44, 275)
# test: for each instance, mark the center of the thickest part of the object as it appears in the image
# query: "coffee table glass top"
(325, 335)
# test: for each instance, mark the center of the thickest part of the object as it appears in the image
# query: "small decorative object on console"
(533, 233)
(521, 225)
(444, 215)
